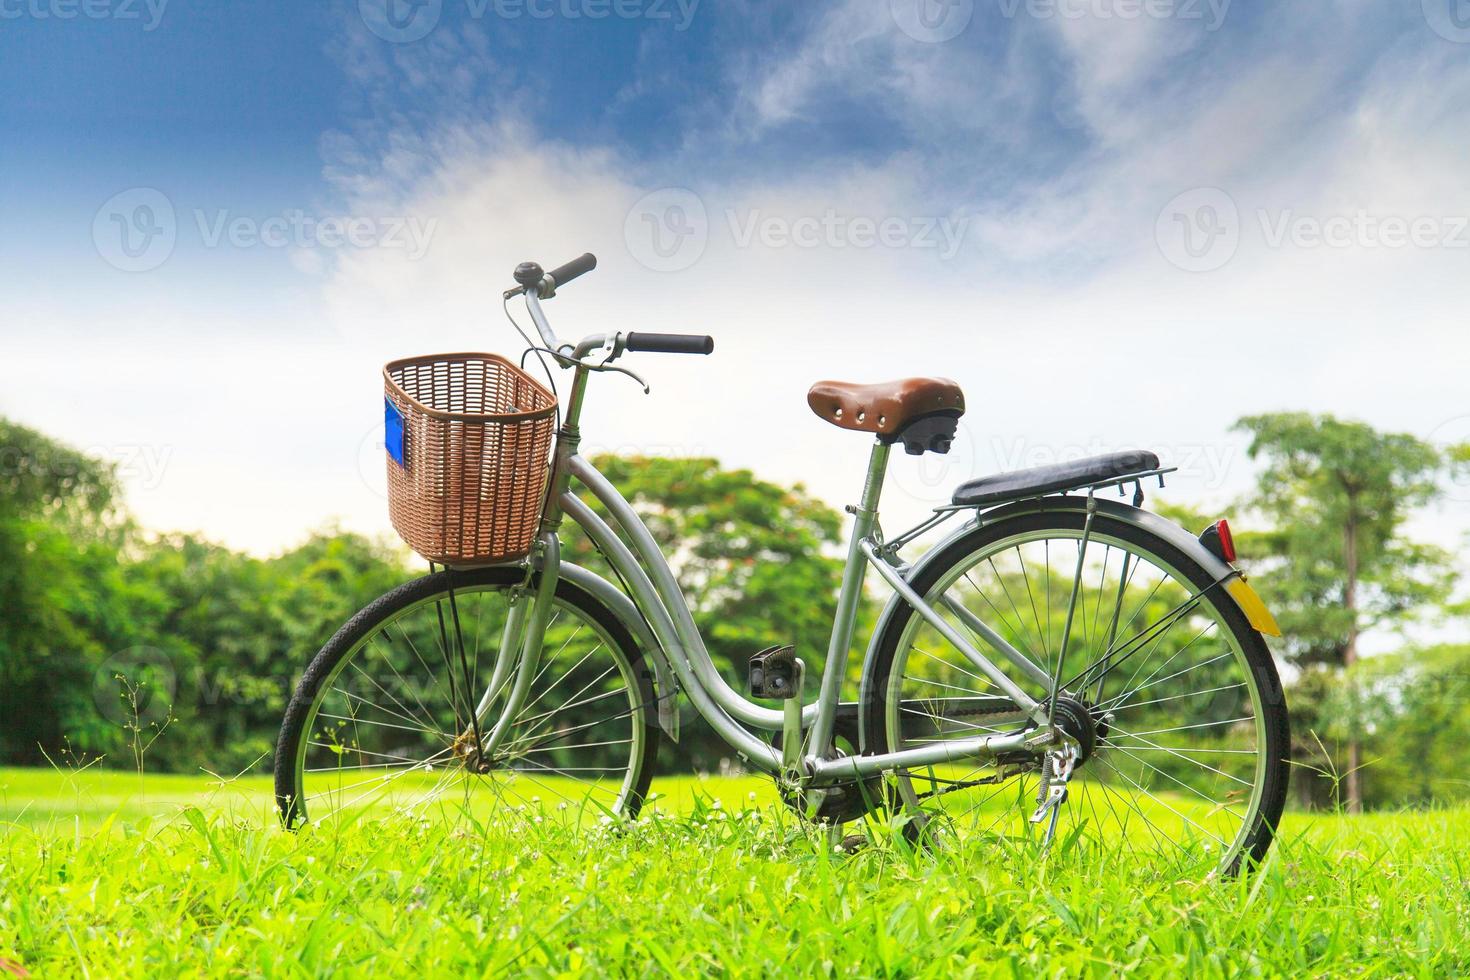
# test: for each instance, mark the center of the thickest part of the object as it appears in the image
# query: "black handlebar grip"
(577, 267)
(671, 343)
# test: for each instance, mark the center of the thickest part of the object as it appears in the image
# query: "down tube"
(661, 579)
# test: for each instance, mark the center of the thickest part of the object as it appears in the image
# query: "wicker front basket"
(467, 464)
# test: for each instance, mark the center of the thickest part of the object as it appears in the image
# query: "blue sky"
(1115, 222)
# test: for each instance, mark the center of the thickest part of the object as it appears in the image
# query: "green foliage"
(109, 635)
(58, 588)
(716, 883)
(40, 476)
(1416, 710)
(1337, 493)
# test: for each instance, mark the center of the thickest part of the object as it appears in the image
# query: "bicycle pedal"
(773, 673)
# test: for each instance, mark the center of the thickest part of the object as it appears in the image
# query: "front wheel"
(1173, 697)
(384, 716)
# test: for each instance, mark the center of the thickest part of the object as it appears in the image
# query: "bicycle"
(1058, 659)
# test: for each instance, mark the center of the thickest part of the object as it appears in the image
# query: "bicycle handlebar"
(537, 285)
(579, 266)
(671, 343)
(531, 279)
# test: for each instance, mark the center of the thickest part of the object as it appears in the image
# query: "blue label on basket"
(393, 431)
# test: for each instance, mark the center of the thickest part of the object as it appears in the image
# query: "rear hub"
(1075, 717)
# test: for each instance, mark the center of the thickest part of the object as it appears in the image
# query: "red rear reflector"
(1227, 542)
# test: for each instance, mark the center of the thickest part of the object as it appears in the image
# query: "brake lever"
(611, 349)
(622, 370)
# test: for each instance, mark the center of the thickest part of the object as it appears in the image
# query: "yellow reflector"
(1250, 603)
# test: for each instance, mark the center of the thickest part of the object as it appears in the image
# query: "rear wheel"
(382, 718)
(1173, 695)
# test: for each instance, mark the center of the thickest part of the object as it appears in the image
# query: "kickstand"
(1056, 772)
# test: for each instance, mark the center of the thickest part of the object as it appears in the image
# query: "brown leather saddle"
(922, 413)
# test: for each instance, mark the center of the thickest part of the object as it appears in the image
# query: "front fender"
(666, 687)
(1236, 587)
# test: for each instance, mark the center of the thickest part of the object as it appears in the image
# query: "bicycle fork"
(519, 655)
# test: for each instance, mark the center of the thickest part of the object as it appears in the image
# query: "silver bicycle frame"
(633, 553)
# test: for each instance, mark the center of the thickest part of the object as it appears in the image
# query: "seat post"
(835, 669)
(873, 485)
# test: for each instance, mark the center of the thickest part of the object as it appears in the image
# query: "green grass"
(110, 874)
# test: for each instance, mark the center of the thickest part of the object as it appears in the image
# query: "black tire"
(383, 610)
(1262, 669)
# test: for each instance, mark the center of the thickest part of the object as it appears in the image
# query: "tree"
(59, 614)
(1338, 493)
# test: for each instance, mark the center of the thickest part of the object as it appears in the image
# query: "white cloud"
(1069, 330)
